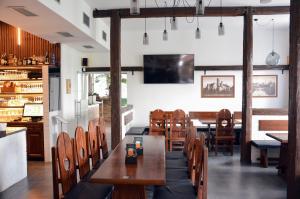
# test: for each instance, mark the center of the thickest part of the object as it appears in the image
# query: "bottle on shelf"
(47, 59)
(24, 61)
(33, 61)
(53, 59)
(4, 59)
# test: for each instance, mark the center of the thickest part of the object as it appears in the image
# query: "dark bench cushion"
(176, 190)
(85, 190)
(174, 155)
(265, 144)
(136, 131)
(176, 164)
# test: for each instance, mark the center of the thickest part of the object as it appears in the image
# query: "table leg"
(209, 138)
(129, 192)
(283, 160)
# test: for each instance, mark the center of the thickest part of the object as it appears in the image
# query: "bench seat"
(263, 146)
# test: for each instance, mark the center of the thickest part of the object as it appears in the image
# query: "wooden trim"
(247, 87)
(204, 96)
(55, 179)
(190, 12)
(197, 68)
(273, 125)
(269, 111)
(276, 95)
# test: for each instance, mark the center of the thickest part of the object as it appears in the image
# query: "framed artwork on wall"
(265, 86)
(221, 86)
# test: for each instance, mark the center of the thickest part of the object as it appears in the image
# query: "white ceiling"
(110, 4)
(46, 24)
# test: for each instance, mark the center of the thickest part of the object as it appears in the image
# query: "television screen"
(33, 110)
(160, 69)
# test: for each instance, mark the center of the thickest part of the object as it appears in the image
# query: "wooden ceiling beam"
(190, 11)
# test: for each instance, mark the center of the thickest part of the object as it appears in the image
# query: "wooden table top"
(214, 121)
(149, 170)
(281, 137)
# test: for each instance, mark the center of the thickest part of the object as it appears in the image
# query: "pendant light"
(200, 7)
(165, 33)
(265, 1)
(221, 28)
(134, 7)
(173, 19)
(145, 36)
(197, 32)
(273, 58)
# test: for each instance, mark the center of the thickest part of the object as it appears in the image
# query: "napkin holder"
(131, 154)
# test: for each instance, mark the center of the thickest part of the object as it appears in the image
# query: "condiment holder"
(138, 141)
(131, 154)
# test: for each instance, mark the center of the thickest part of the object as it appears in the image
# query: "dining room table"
(130, 180)
(283, 156)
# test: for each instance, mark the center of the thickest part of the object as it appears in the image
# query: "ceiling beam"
(190, 11)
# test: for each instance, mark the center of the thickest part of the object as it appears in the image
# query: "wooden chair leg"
(264, 158)
(216, 147)
(171, 144)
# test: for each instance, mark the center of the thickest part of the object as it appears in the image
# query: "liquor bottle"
(20, 62)
(29, 61)
(33, 62)
(24, 61)
(3, 59)
(47, 59)
(15, 60)
(53, 59)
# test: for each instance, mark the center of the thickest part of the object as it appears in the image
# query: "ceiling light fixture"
(173, 19)
(165, 33)
(200, 7)
(145, 37)
(273, 58)
(198, 33)
(221, 28)
(134, 7)
(265, 1)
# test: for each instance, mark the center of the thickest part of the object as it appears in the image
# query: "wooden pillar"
(293, 190)
(115, 74)
(247, 87)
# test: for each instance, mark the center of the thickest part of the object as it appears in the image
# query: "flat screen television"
(169, 69)
(33, 110)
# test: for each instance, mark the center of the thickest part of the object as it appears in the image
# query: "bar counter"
(13, 167)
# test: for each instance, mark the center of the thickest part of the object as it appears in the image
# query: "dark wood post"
(293, 190)
(115, 74)
(247, 87)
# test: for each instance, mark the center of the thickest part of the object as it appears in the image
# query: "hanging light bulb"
(173, 23)
(198, 33)
(165, 33)
(273, 58)
(221, 28)
(145, 36)
(200, 7)
(134, 7)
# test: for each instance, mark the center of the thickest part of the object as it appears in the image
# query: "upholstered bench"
(263, 146)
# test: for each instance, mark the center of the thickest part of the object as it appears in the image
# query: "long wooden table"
(129, 180)
(283, 157)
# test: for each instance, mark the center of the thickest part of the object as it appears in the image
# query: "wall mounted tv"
(169, 69)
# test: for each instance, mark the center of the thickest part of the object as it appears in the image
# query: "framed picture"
(218, 86)
(68, 86)
(265, 85)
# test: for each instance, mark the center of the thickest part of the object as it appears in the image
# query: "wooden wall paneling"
(273, 125)
(247, 87)
(293, 188)
(115, 73)
(30, 44)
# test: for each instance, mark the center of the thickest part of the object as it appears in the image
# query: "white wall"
(209, 50)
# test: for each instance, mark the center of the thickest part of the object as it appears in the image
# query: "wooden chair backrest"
(191, 149)
(203, 115)
(273, 125)
(199, 145)
(82, 152)
(203, 177)
(157, 124)
(237, 115)
(55, 177)
(93, 144)
(224, 123)
(66, 162)
(103, 139)
(187, 139)
(178, 124)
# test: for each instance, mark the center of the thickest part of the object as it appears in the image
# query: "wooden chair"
(94, 146)
(102, 138)
(82, 153)
(224, 131)
(157, 124)
(177, 129)
(64, 173)
(186, 189)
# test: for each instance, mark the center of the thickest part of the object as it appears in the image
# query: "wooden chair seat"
(181, 190)
(176, 164)
(175, 155)
(85, 190)
(177, 174)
